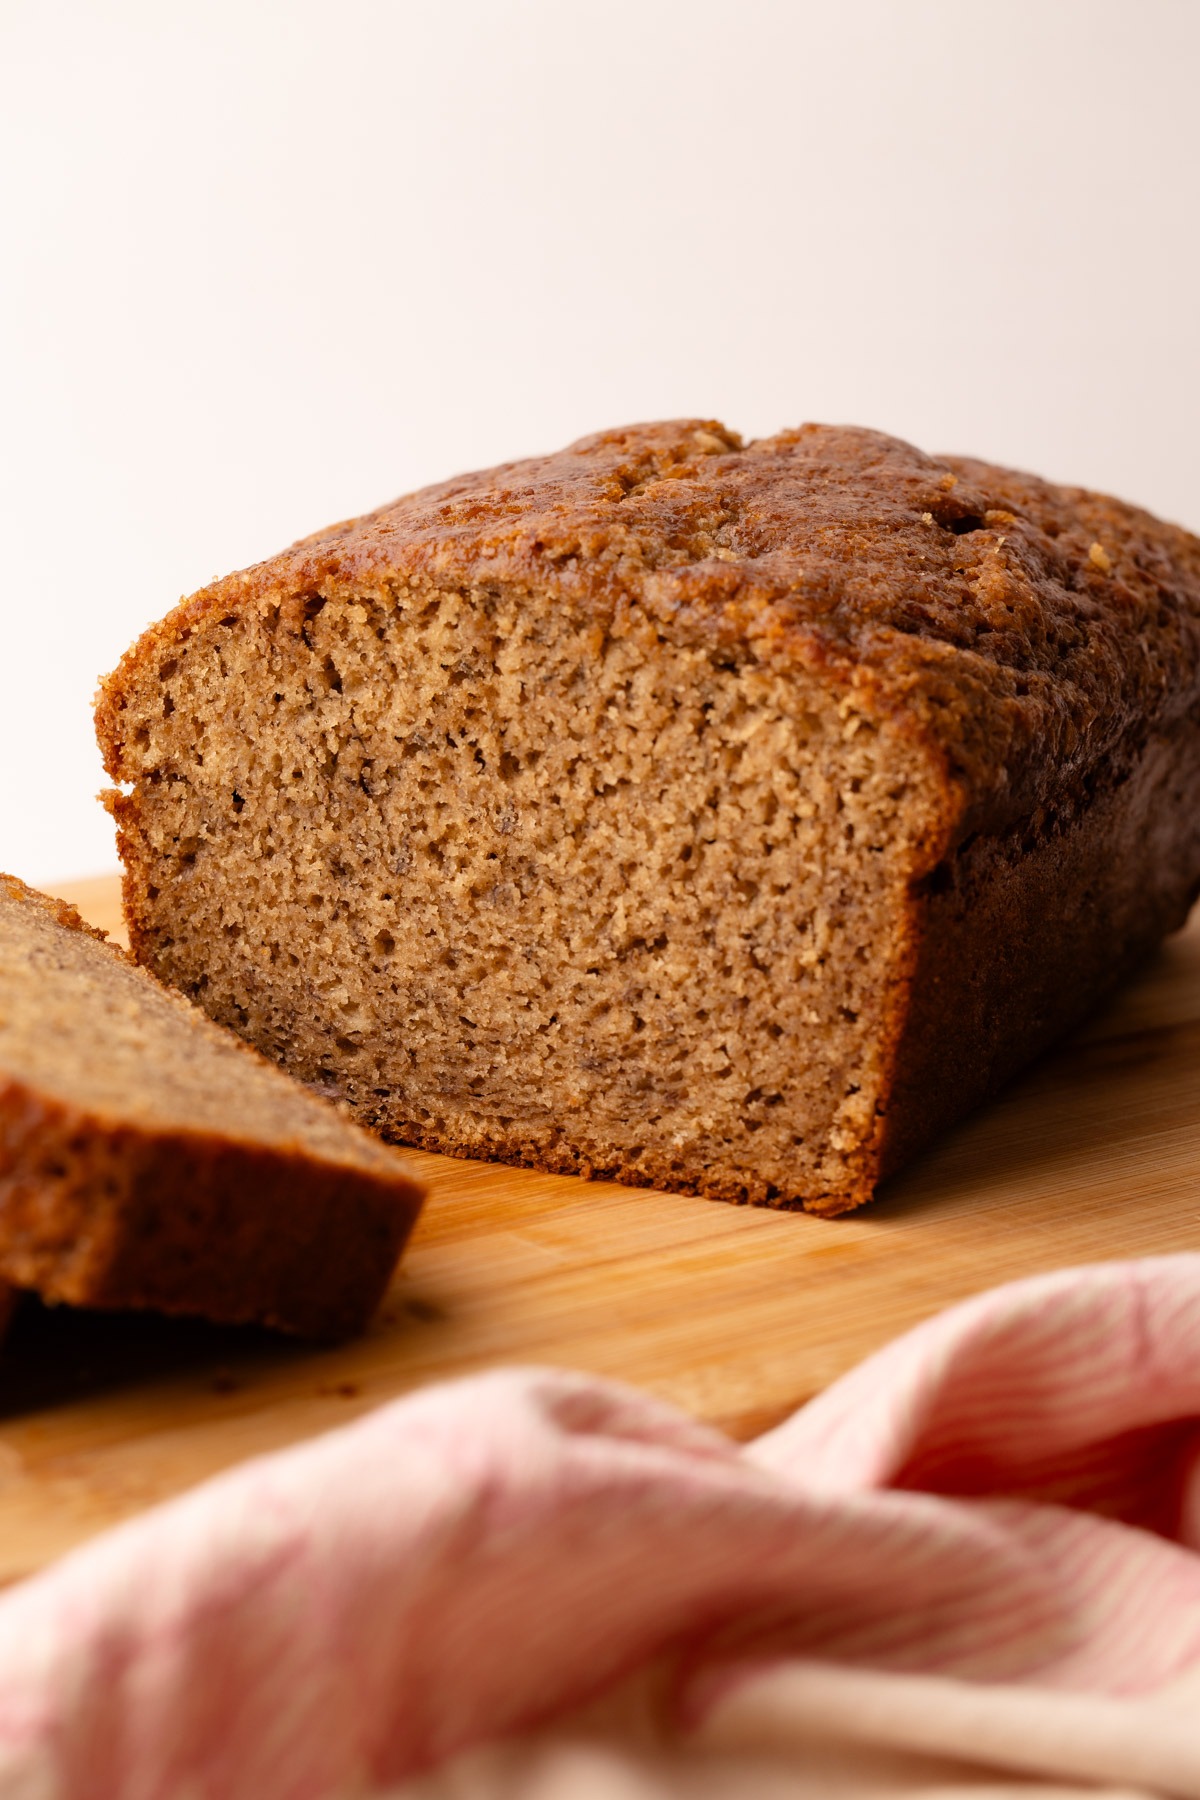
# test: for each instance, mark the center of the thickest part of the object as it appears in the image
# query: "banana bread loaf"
(150, 1159)
(723, 816)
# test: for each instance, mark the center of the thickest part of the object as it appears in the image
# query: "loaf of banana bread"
(727, 817)
(150, 1159)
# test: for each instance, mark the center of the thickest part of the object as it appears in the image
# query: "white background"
(265, 265)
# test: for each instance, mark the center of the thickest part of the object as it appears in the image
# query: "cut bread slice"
(148, 1158)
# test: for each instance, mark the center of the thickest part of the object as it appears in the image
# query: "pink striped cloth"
(970, 1567)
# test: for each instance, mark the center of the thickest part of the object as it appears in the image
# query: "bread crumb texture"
(716, 816)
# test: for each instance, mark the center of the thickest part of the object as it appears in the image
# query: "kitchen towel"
(970, 1567)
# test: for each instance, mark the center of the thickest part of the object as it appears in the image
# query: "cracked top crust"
(1032, 635)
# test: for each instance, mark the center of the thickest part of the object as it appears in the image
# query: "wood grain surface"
(736, 1314)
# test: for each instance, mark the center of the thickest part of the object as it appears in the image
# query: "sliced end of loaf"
(519, 885)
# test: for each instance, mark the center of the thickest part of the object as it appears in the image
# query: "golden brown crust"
(1028, 631)
(1021, 934)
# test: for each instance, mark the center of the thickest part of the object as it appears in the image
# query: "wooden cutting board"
(736, 1314)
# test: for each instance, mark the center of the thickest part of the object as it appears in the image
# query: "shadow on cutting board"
(56, 1354)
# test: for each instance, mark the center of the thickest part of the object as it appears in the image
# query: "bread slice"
(725, 817)
(150, 1159)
